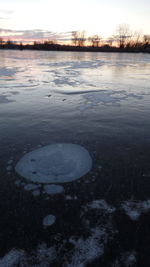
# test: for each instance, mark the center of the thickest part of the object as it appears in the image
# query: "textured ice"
(12, 258)
(10, 162)
(4, 99)
(129, 259)
(7, 71)
(9, 168)
(86, 250)
(101, 204)
(71, 197)
(29, 187)
(53, 189)
(49, 220)
(18, 183)
(42, 256)
(135, 208)
(108, 97)
(36, 193)
(126, 259)
(56, 163)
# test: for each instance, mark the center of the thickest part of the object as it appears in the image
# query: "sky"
(56, 19)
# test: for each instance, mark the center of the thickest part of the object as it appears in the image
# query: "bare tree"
(78, 38)
(110, 40)
(146, 40)
(81, 38)
(75, 38)
(123, 35)
(136, 39)
(95, 40)
(1, 41)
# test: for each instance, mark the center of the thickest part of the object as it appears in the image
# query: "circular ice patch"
(53, 189)
(49, 220)
(56, 163)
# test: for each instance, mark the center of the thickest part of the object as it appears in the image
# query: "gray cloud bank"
(33, 35)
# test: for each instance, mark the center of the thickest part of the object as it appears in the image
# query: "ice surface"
(71, 197)
(86, 250)
(126, 259)
(53, 189)
(135, 208)
(42, 256)
(36, 193)
(18, 183)
(7, 71)
(30, 187)
(12, 258)
(106, 97)
(49, 220)
(101, 204)
(129, 259)
(10, 162)
(9, 168)
(4, 99)
(56, 163)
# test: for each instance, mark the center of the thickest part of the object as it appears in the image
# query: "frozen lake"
(100, 101)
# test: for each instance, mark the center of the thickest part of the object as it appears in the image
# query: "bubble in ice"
(49, 220)
(56, 163)
(53, 189)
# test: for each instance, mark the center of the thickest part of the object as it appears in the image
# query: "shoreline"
(64, 48)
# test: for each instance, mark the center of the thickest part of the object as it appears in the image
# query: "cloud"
(3, 18)
(6, 11)
(5, 14)
(34, 35)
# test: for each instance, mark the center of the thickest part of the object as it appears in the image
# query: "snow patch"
(104, 97)
(56, 163)
(71, 197)
(101, 204)
(86, 250)
(134, 208)
(42, 256)
(12, 258)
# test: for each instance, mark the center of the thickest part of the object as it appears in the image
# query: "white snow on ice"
(12, 258)
(56, 163)
(134, 208)
(86, 250)
(71, 197)
(102, 205)
(42, 256)
(105, 97)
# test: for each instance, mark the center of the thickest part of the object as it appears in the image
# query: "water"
(97, 100)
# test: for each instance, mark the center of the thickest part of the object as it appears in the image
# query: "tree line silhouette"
(123, 41)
